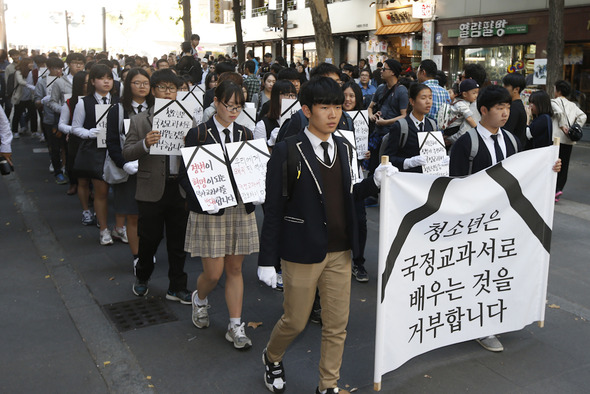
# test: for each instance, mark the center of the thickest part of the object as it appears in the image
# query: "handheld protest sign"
(50, 83)
(195, 95)
(247, 118)
(432, 147)
(126, 125)
(208, 175)
(173, 119)
(354, 166)
(248, 163)
(360, 121)
(101, 112)
(288, 108)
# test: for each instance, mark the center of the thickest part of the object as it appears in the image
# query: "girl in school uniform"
(221, 237)
(405, 155)
(137, 97)
(100, 86)
(270, 121)
(540, 132)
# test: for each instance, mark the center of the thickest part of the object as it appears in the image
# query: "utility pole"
(285, 29)
(67, 30)
(104, 29)
(3, 40)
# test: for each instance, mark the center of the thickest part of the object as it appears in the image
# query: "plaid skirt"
(233, 233)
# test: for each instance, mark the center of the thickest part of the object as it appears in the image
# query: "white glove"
(383, 170)
(529, 135)
(273, 137)
(131, 167)
(414, 162)
(268, 276)
(446, 160)
(260, 201)
(213, 210)
(93, 133)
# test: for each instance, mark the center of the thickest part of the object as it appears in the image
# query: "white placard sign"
(349, 136)
(288, 108)
(126, 125)
(173, 119)
(361, 131)
(50, 81)
(208, 175)
(195, 95)
(247, 118)
(101, 112)
(432, 147)
(248, 163)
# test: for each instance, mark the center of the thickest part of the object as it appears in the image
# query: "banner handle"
(556, 141)
(377, 386)
(384, 159)
(541, 323)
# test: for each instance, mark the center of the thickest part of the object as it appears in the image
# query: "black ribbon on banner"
(231, 160)
(190, 161)
(179, 104)
(288, 109)
(437, 140)
(105, 113)
(192, 93)
(52, 82)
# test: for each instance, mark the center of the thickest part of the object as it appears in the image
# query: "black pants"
(56, 145)
(19, 109)
(170, 213)
(72, 149)
(565, 152)
(358, 257)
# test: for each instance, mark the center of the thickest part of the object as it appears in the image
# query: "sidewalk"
(58, 279)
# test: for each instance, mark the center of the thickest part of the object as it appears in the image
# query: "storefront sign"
(397, 16)
(487, 29)
(422, 11)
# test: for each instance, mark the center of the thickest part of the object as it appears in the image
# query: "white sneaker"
(105, 237)
(16, 135)
(237, 335)
(120, 234)
(51, 169)
(491, 343)
(200, 314)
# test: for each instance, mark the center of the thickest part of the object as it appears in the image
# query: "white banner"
(248, 163)
(195, 95)
(173, 119)
(354, 167)
(361, 131)
(461, 259)
(288, 108)
(247, 118)
(101, 111)
(432, 147)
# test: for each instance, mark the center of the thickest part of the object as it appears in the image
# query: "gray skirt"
(124, 197)
(233, 233)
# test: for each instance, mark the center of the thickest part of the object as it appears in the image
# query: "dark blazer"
(295, 229)
(542, 132)
(459, 157)
(396, 154)
(241, 133)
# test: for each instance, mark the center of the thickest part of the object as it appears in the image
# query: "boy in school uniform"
(63, 86)
(159, 201)
(517, 121)
(319, 213)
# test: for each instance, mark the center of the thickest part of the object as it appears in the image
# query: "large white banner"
(461, 259)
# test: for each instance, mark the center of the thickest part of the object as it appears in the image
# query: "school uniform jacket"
(241, 133)
(398, 154)
(295, 229)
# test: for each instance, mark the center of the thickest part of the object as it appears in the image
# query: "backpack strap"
(432, 123)
(474, 147)
(403, 132)
(291, 167)
(512, 140)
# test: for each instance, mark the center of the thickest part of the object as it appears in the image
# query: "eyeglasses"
(163, 88)
(141, 84)
(237, 108)
(386, 69)
(290, 95)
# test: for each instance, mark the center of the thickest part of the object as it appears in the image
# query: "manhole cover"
(144, 312)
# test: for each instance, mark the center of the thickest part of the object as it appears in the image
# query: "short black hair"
(288, 74)
(164, 75)
(563, 87)
(415, 89)
(280, 87)
(321, 90)
(223, 67)
(429, 66)
(476, 72)
(491, 96)
(99, 71)
(268, 55)
(348, 67)
(127, 96)
(186, 46)
(276, 67)
(75, 57)
(161, 61)
(55, 62)
(516, 80)
(195, 37)
(324, 69)
(227, 89)
(40, 59)
(250, 66)
(441, 77)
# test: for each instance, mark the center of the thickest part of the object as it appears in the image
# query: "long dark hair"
(226, 90)
(127, 97)
(282, 86)
(96, 72)
(543, 103)
(358, 94)
(78, 85)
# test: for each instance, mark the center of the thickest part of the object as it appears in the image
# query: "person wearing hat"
(463, 116)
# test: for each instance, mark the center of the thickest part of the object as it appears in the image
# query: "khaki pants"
(332, 278)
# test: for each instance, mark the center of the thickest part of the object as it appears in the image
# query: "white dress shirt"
(486, 135)
(220, 129)
(317, 147)
(80, 115)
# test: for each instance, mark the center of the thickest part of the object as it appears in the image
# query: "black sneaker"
(360, 273)
(274, 375)
(328, 391)
(182, 296)
(140, 287)
(316, 316)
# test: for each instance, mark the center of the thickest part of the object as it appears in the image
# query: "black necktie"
(227, 139)
(139, 108)
(325, 145)
(421, 126)
(499, 154)
(104, 100)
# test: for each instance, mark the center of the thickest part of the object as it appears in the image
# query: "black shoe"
(182, 296)
(316, 316)
(360, 273)
(328, 391)
(274, 375)
(140, 287)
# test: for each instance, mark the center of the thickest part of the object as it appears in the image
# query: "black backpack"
(10, 85)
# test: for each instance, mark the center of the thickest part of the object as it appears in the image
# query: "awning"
(399, 28)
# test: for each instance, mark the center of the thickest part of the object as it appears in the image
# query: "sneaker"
(60, 179)
(200, 314)
(88, 218)
(105, 237)
(140, 288)
(491, 343)
(15, 136)
(279, 281)
(316, 316)
(237, 335)
(51, 169)
(328, 391)
(360, 273)
(558, 196)
(135, 261)
(182, 296)
(120, 234)
(274, 375)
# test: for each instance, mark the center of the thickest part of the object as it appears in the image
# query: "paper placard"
(248, 163)
(288, 108)
(196, 96)
(101, 111)
(432, 147)
(208, 175)
(360, 120)
(43, 72)
(126, 125)
(349, 136)
(247, 118)
(50, 83)
(173, 119)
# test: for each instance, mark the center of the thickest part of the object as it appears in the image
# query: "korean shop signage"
(490, 28)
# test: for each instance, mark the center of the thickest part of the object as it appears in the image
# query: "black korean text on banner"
(361, 131)
(461, 259)
(101, 112)
(355, 174)
(173, 119)
(195, 95)
(288, 108)
(248, 163)
(432, 147)
(208, 175)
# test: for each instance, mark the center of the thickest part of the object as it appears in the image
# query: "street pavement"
(57, 282)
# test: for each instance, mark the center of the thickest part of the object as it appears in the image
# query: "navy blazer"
(295, 229)
(459, 157)
(396, 154)
(241, 133)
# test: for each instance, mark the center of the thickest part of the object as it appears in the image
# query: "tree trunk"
(239, 38)
(186, 19)
(323, 30)
(555, 45)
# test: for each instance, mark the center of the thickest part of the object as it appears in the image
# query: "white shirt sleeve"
(5, 133)
(260, 130)
(78, 121)
(64, 120)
